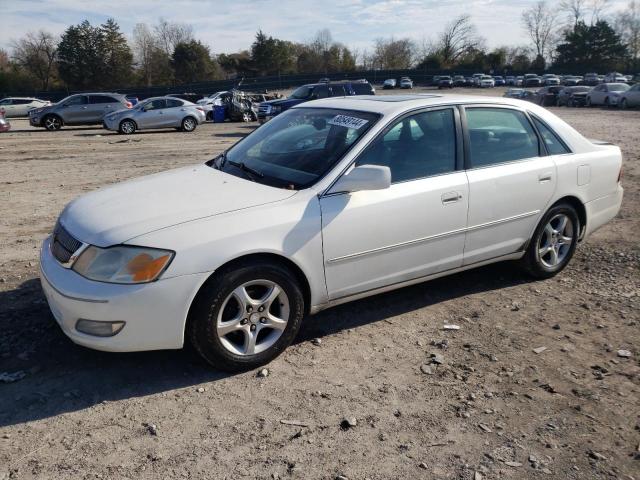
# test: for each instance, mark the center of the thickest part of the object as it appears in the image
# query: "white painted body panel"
(346, 246)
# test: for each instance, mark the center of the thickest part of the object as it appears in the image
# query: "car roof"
(393, 104)
(20, 98)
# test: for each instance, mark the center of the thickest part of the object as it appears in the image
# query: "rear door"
(173, 113)
(511, 180)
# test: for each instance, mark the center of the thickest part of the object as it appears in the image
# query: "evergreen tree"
(591, 48)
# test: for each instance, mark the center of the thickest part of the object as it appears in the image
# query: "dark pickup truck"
(314, 91)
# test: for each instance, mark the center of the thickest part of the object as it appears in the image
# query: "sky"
(228, 26)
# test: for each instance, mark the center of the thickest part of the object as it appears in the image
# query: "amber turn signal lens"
(144, 268)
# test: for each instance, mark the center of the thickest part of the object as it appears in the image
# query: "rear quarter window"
(553, 143)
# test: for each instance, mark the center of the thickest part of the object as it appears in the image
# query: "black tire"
(203, 316)
(587, 102)
(52, 122)
(606, 102)
(127, 127)
(532, 261)
(623, 104)
(189, 124)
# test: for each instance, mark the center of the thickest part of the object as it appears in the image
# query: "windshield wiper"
(251, 172)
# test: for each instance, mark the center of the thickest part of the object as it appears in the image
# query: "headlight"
(122, 264)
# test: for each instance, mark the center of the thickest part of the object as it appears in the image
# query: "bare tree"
(144, 45)
(322, 41)
(628, 25)
(4, 60)
(458, 38)
(36, 53)
(540, 23)
(170, 34)
(574, 8)
(598, 9)
(393, 54)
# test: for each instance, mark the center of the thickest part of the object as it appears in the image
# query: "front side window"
(301, 93)
(551, 140)
(418, 146)
(6, 101)
(498, 135)
(155, 104)
(296, 148)
(79, 100)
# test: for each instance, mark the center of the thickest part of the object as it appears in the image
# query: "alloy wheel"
(556, 240)
(189, 124)
(52, 123)
(127, 127)
(253, 317)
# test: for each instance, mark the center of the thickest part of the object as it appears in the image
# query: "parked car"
(268, 110)
(5, 125)
(606, 94)
(591, 79)
(469, 82)
(572, 96)
(513, 93)
(389, 83)
(20, 106)
(547, 96)
(532, 80)
(210, 98)
(133, 99)
(189, 97)
(519, 81)
(572, 81)
(476, 79)
(550, 79)
(406, 82)
(510, 80)
(529, 96)
(333, 200)
(486, 81)
(78, 109)
(207, 103)
(615, 77)
(154, 113)
(459, 81)
(498, 81)
(445, 81)
(630, 98)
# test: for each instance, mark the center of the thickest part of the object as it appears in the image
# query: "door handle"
(450, 197)
(544, 177)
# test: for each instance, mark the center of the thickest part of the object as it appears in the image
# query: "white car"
(333, 200)
(486, 81)
(406, 82)
(20, 106)
(607, 94)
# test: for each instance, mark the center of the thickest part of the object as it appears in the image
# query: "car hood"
(120, 212)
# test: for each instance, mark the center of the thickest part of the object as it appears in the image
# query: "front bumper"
(112, 124)
(155, 313)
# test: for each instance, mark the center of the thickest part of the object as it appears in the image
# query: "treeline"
(571, 35)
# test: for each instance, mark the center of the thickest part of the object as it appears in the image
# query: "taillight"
(200, 108)
(129, 105)
(620, 174)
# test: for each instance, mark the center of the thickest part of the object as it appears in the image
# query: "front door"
(152, 114)
(75, 110)
(510, 182)
(412, 229)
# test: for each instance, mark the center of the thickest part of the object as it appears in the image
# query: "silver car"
(78, 109)
(157, 112)
(630, 98)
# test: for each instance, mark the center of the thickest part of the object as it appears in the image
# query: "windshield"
(301, 92)
(296, 148)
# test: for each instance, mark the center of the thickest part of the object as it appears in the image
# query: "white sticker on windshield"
(348, 122)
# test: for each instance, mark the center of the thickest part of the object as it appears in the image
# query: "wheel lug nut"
(263, 320)
(261, 309)
(243, 321)
(249, 308)
(253, 327)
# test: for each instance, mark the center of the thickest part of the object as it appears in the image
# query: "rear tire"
(52, 122)
(189, 124)
(127, 127)
(248, 302)
(553, 243)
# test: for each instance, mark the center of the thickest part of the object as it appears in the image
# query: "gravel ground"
(373, 389)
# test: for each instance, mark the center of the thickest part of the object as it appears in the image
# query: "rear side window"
(338, 91)
(21, 102)
(171, 103)
(101, 99)
(418, 146)
(321, 91)
(79, 100)
(498, 135)
(361, 88)
(552, 142)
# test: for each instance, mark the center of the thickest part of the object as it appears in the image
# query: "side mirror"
(364, 177)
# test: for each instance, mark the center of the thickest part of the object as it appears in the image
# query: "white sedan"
(20, 106)
(331, 201)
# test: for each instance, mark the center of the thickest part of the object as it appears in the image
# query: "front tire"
(553, 242)
(189, 124)
(245, 317)
(127, 127)
(623, 104)
(52, 123)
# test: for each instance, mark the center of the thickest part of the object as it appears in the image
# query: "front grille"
(264, 109)
(63, 245)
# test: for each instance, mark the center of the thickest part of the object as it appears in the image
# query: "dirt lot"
(493, 409)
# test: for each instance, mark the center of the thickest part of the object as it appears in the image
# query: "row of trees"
(573, 35)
